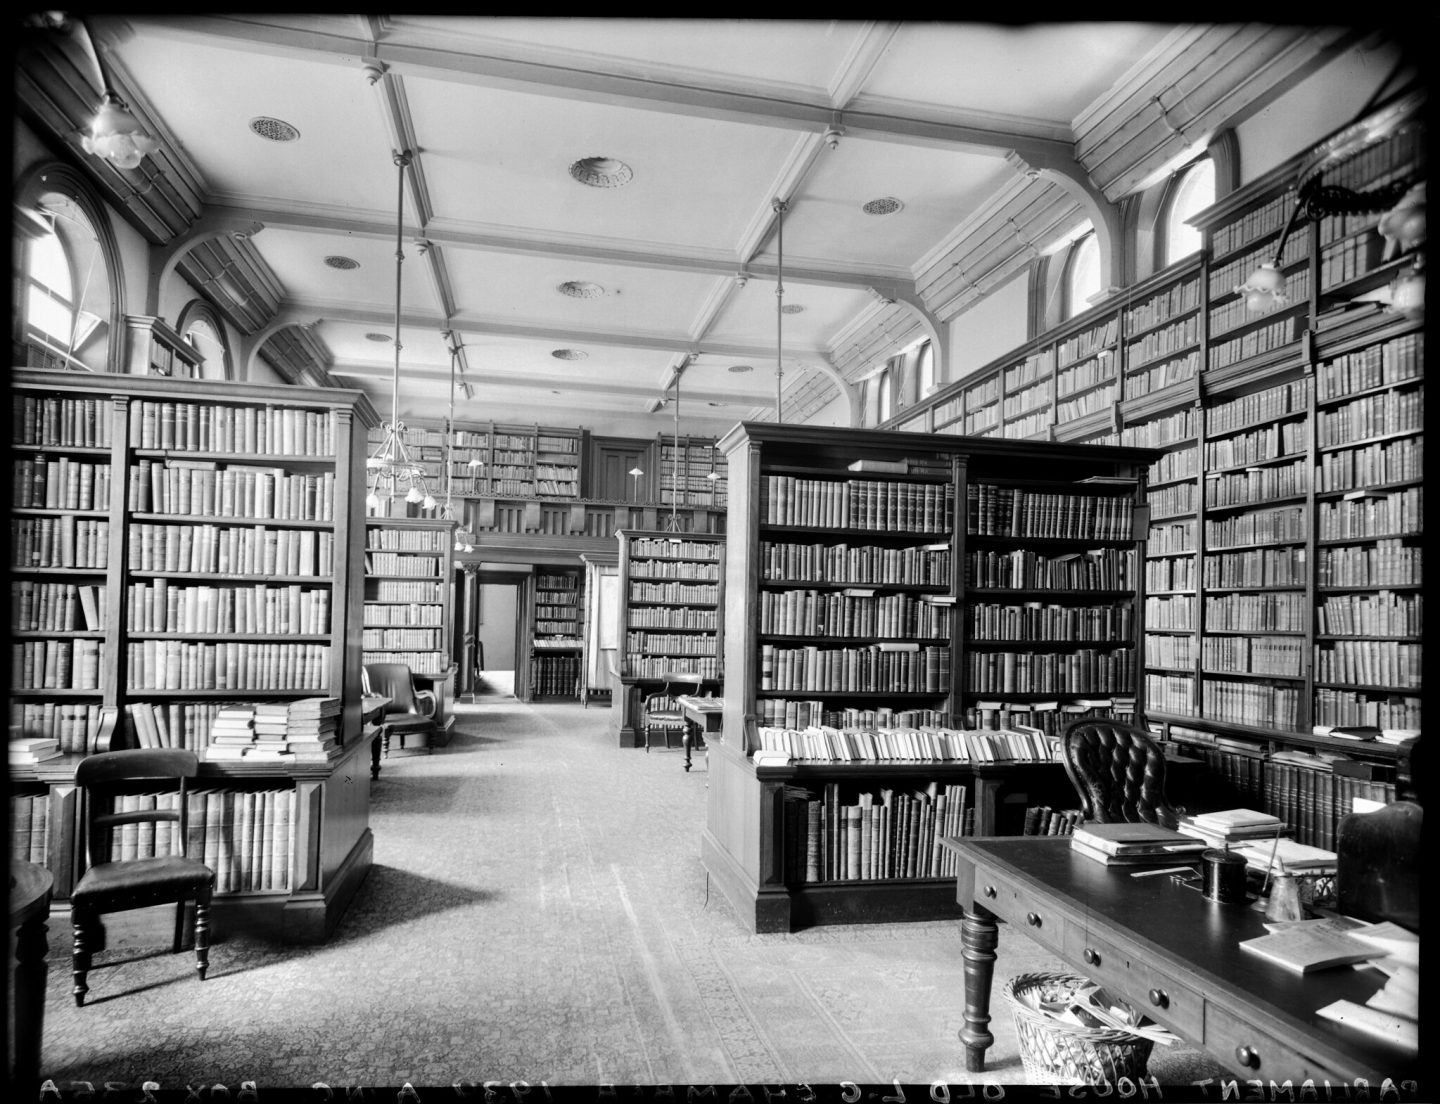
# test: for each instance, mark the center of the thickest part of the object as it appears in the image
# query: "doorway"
(490, 626)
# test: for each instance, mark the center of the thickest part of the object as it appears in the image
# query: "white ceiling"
(716, 118)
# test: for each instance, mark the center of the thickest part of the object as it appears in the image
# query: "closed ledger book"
(1133, 844)
(1305, 949)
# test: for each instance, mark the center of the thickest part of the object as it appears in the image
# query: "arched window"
(203, 329)
(1191, 190)
(68, 280)
(884, 389)
(1081, 279)
(925, 368)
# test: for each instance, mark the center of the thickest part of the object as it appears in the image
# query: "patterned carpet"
(537, 911)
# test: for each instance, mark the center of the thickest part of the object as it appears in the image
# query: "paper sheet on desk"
(1371, 1021)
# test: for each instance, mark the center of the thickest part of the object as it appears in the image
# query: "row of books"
(883, 505)
(1256, 567)
(1371, 465)
(1371, 416)
(1169, 574)
(245, 550)
(822, 743)
(1258, 655)
(226, 665)
(1010, 511)
(1264, 339)
(427, 662)
(397, 590)
(901, 668)
(1256, 445)
(674, 569)
(915, 565)
(1256, 487)
(1078, 671)
(1383, 364)
(1175, 538)
(698, 644)
(796, 714)
(1167, 374)
(1385, 563)
(160, 606)
(211, 427)
(384, 539)
(52, 422)
(1369, 663)
(60, 484)
(1250, 703)
(1382, 614)
(1173, 500)
(655, 667)
(851, 612)
(1238, 312)
(1042, 820)
(674, 593)
(1275, 526)
(1373, 515)
(673, 548)
(30, 827)
(55, 607)
(394, 563)
(1225, 278)
(1102, 398)
(887, 834)
(198, 487)
(683, 617)
(1164, 341)
(407, 613)
(65, 541)
(1088, 342)
(555, 675)
(75, 726)
(55, 664)
(246, 837)
(1042, 621)
(385, 639)
(1350, 707)
(1024, 569)
(1048, 717)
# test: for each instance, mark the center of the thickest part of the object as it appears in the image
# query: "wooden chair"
(118, 885)
(411, 712)
(1118, 771)
(1377, 854)
(662, 712)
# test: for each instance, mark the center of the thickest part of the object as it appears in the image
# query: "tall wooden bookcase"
(556, 643)
(409, 601)
(672, 590)
(1007, 578)
(177, 545)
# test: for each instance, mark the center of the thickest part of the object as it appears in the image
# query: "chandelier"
(390, 466)
(464, 538)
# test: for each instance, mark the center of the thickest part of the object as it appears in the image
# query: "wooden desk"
(706, 714)
(1169, 952)
(29, 909)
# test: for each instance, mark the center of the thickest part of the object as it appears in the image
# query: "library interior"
(699, 553)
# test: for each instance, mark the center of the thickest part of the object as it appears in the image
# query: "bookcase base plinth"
(762, 910)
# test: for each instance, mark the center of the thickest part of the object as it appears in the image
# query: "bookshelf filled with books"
(910, 621)
(408, 593)
(180, 549)
(692, 474)
(556, 642)
(672, 590)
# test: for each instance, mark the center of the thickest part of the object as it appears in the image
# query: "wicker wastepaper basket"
(1056, 1052)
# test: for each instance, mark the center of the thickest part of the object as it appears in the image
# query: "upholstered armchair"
(1119, 773)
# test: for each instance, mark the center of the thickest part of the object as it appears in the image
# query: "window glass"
(201, 334)
(1082, 274)
(1193, 193)
(882, 383)
(926, 368)
(50, 304)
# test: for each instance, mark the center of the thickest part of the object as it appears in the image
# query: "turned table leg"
(979, 936)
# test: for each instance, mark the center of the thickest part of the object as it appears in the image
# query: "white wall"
(989, 329)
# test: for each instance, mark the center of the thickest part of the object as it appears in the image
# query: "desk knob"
(1159, 998)
(1247, 1057)
(1033, 919)
(1091, 957)
(988, 891)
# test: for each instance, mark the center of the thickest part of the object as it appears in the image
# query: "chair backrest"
(393, 681)
(105, 777)
(1377, 871)
(1118, 772)
(682, 682)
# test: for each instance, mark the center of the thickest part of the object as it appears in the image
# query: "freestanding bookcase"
(896, 579)
(179, 545)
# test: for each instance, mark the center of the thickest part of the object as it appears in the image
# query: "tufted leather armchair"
(1118, 771)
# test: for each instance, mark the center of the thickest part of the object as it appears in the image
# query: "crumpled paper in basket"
(1092, 1007)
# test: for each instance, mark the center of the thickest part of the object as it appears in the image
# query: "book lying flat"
(1305, 949)
(1143, 858)
(1234, 818)
(1136, 839)
(1288, 856)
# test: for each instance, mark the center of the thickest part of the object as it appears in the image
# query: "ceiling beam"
(966, 132)
(715, 264)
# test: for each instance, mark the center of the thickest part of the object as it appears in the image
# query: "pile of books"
(272, 730)
(32, 749)
(232, 733)
(1138, 844)
(1232, 826)
(314, 725)
(1285, 856)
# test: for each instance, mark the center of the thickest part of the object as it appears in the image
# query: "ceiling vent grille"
(344, 264)
(792, 308)
(273, 130)
(569, 354)
(580, 289)
(886, 205)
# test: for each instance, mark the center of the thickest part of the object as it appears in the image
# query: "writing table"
(706, 714)
(1167, 951)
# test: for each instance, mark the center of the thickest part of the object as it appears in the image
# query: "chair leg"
(202, 935)
(82, 926)
(179, 927)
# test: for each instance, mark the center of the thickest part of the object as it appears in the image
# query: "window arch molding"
(199, 310)
(56, 176)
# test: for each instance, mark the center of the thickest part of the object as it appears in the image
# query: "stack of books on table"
(232, 733)
(1285, 856)
(272, 734)
(314, 728)
(1138, 844)
(33, 749)
(1232, 826)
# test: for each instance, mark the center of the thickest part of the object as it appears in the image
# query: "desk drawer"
(1147, 989)
(1012, 904)
(1252, 1053)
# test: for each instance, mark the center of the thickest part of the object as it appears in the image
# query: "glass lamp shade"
(1264, 289)
(1407, 294)
(1403, 226)
(429, 503)
(414, 495)
(117, 135)
(372, 501)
